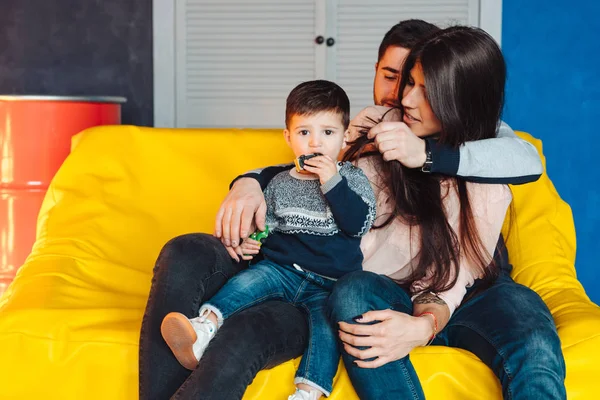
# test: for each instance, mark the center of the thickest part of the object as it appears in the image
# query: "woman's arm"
(396, 333)
(430, 303)
(391, 338)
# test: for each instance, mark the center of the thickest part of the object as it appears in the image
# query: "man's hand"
(323, 166)
(395, 141)
(243, 205)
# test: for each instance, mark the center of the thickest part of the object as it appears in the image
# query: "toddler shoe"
(304, 395)
(187, 338)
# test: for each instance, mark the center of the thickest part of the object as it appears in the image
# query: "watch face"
(428, 163)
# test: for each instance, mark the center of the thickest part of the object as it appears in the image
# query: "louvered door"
(236, 61)
(359, 26)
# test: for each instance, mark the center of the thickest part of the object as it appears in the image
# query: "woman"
(272, 334)
(443, 232)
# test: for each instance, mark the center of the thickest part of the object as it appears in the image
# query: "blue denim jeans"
(309, 291)
(507, 326)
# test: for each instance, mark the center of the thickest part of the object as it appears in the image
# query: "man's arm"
(244, 204)
(263, 175)
(505, 159)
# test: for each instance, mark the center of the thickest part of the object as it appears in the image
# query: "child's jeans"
(306, 290)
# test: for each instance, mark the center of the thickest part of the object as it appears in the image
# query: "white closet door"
(236, 61)
(358, 27)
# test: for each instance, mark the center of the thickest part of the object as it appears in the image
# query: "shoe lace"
(204, 313)
(202, 323)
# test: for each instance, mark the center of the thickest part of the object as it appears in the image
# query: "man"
(191, 268)
(394, 48)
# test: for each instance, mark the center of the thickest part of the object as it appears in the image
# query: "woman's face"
(418, 114)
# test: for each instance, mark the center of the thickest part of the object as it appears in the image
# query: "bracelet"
(435, 326)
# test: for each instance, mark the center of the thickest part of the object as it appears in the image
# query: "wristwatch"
(428, 158)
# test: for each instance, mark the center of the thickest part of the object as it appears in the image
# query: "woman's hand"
(388, 340)
(323, 166)
(367, 118)
(395, 141)
(243, 205)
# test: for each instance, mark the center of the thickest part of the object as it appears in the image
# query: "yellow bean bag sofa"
(69, 323)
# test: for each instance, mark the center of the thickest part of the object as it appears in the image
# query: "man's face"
(387, 76)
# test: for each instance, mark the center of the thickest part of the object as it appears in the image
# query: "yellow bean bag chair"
(69, 323)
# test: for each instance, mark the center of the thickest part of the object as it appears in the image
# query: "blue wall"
(552, 48)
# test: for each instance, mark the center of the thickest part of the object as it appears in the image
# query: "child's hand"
(233, 252)
(323, 166)
(249, 248)
(238, 253)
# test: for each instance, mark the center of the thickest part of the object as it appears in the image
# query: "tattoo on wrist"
(427, 298)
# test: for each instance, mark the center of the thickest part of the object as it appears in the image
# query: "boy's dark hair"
(312, 97)
(406, 34)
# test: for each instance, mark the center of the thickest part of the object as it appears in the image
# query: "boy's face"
(387, 76)
(322, 132)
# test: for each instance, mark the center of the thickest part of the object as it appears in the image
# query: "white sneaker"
(187, 338)
(304, 395)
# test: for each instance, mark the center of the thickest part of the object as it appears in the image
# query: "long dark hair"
(465, 75)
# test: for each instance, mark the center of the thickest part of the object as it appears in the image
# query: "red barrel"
(35, 139)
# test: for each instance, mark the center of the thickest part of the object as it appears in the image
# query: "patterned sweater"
(319, 227)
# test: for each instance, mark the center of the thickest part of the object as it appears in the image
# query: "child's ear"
(346, 138)
(286, 135)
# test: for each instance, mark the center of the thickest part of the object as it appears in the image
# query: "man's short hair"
(317, 96)
(406, 34)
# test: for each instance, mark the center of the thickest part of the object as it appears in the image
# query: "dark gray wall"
(79, 47)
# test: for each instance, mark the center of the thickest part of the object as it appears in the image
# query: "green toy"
(260, 235)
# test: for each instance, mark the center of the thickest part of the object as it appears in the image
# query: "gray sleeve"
(505, 157)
